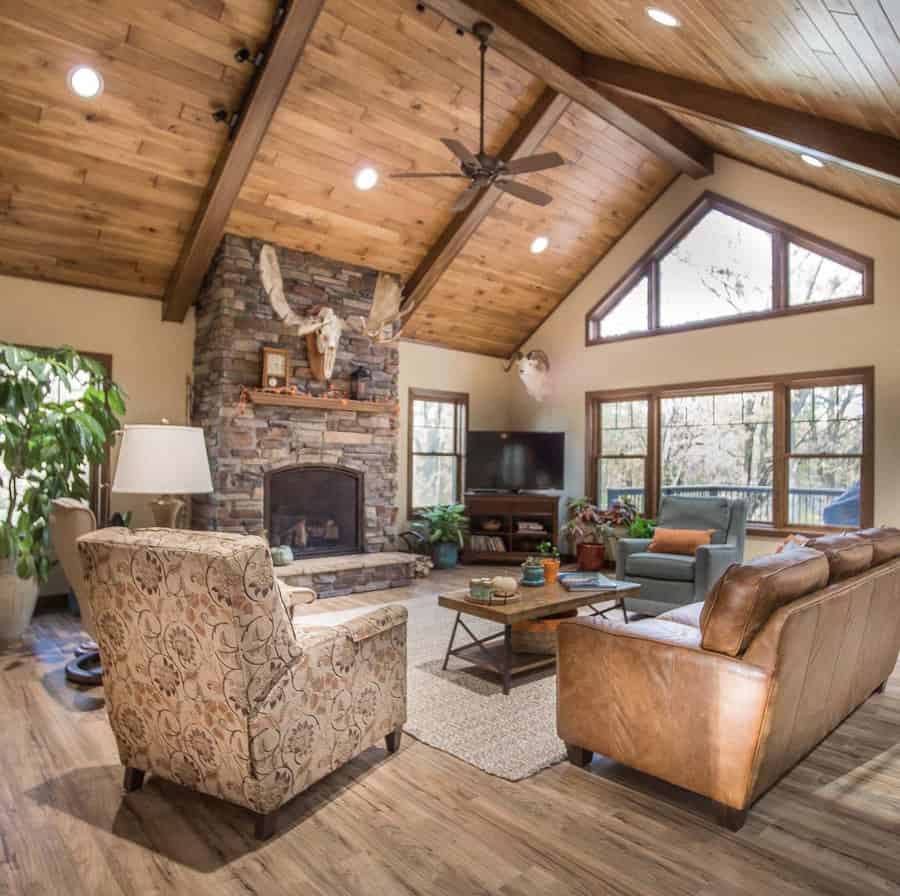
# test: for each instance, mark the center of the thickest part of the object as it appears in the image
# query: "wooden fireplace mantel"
(259, 396)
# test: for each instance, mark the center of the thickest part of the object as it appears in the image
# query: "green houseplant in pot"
(447, 527)
(58, 412)
(585, 527)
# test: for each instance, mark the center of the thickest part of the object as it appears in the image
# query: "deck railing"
(806, 504)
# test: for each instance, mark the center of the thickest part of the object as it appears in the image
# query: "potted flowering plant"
(618, 520)
(550, 559)
(586, 527)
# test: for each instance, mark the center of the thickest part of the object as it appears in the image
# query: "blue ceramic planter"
(532, 576)
(445, 555)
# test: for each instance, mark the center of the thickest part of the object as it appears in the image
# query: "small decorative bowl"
(493, 526)
(480, 590)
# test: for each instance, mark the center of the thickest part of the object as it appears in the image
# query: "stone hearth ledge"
(349, 573)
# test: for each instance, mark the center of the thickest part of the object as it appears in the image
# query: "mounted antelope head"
(384, 313)
(534, 371)
(322, 329)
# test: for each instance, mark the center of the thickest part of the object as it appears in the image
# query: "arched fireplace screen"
(317, 509)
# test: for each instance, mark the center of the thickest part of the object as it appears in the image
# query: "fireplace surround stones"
(234, 321)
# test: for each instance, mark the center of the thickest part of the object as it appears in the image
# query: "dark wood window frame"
(780, 386)
(782, 235)
(459, 400)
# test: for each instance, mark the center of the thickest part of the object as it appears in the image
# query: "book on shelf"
(588, 581)
(487, 544)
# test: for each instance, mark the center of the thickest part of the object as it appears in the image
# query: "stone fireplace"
(332, 469)
(317, 509)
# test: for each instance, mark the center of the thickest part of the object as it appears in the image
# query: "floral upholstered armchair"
(209, 685)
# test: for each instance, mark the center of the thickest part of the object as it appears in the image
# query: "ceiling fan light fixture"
(661, 17)
(812, 160)
(365, 178)
(85, 82)
(539, 244)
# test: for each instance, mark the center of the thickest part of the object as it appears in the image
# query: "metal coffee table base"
(498, 658)
(501, 659)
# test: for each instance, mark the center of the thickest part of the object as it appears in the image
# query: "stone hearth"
(350, 574)
(245, 443)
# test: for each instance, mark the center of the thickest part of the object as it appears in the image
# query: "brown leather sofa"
(725, 696)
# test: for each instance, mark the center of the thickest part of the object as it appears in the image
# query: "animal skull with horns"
(324, 325)
(534, 371)
(323, 329)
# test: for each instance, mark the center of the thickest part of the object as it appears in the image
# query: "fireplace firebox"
(316, 509)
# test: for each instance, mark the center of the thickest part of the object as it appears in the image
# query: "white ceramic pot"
(17, 601)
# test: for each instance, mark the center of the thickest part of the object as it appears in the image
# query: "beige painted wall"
(151, 359)
(429, 367)
(827, 340)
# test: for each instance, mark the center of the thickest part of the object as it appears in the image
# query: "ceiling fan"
(485, 170)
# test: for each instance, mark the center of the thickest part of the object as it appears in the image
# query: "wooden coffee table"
(533, 603)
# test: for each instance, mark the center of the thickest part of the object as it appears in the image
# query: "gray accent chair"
(672, 580)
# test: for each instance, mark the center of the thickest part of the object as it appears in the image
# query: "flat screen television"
(514, 461)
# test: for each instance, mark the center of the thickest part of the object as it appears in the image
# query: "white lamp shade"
(162, 460)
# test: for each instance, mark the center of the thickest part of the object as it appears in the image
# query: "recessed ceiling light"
(662, 17)
(539, 244)
(365, 178)
(85, 82)
(812, 160)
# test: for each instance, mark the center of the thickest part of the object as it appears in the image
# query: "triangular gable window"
(722, 263)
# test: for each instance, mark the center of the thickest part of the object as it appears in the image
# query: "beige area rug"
(463, 711)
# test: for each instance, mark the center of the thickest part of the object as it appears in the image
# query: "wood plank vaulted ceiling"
(103, 193)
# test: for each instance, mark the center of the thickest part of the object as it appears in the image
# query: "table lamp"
(163, 460)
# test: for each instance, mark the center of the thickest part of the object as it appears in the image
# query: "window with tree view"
(797, 450)
(437, 447)
(724, 262)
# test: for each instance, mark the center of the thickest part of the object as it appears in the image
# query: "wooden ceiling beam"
(548, 54)
(285, 47)
(866, 151)
(534, 127)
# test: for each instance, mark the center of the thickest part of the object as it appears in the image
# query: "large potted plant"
(58, 412)
(447, 527)
(585, 527)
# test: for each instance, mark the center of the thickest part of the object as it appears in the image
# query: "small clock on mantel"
(274, 368)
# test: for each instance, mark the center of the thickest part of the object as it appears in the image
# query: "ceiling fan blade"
(426, 174)
(466, 198)
(523, 191)
(540, 162)
(459, 151)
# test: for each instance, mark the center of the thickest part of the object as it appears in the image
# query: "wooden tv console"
(510, 510)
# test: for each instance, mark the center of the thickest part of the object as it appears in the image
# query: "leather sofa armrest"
(624, 549)
(645, 694)
(712, 561)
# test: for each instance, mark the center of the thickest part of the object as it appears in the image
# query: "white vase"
(17, 601)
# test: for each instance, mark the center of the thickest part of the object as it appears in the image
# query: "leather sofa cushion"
(848, 555)
(679, 541)
(696, 513)
(674, 567)
(885, 543)
(747, 594)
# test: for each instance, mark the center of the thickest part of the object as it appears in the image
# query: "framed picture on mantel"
(274, 368)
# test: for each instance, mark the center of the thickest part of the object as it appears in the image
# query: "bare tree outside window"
(437, 448)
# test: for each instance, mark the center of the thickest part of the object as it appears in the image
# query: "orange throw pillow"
(679, 541)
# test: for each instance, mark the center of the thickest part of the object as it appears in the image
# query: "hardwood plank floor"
(420, 821)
